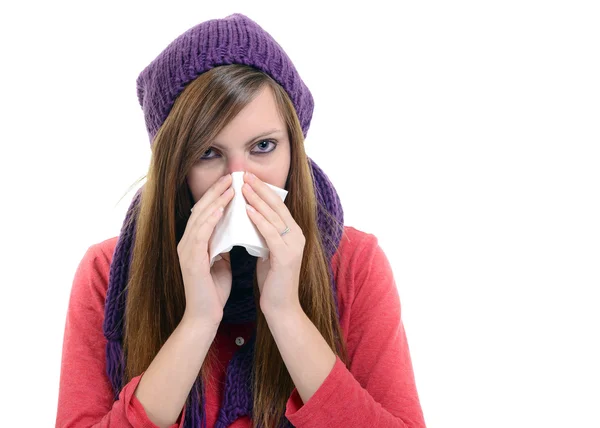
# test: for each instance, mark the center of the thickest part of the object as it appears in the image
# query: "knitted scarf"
(240, 308)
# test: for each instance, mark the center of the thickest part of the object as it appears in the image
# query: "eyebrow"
(261, 135)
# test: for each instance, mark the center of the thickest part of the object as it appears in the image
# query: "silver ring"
(287, 229)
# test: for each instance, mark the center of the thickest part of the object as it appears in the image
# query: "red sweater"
(376, 389)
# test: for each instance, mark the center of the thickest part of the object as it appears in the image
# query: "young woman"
(311, 337)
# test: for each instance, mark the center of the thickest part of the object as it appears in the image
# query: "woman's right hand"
(206, 289)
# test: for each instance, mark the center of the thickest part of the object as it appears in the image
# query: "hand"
(206, 289)
(278, 277)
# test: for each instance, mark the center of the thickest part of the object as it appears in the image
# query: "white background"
(464, 135)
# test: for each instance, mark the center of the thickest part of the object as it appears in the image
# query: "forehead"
(259, 118)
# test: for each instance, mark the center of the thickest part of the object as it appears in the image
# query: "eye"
(204, 156)
(260, 145)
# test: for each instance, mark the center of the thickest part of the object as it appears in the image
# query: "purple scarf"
(240, 308)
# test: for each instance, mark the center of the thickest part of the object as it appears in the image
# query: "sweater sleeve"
(85, 396)
(377, 388)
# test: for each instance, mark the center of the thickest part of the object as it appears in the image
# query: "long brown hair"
(156, 297)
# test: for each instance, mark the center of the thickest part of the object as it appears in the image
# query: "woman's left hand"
(278, 277)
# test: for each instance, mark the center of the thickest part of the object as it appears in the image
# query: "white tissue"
(235, 227)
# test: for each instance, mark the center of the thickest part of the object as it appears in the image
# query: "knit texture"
(234, 39)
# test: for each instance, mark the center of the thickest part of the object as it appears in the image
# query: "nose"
(236, 163)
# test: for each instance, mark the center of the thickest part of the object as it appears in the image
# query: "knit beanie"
(235, 39)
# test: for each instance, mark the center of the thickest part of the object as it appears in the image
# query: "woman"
(311, 337)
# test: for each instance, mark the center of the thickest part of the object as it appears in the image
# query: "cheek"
(197, 187)
(276, 178)
(198, 192)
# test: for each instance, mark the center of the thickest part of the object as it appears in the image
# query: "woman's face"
(255, 140)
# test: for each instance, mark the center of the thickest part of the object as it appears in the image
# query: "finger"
(268, 231)
(211, 194)
(206, 229)
(222, 201)
(272, 200)
(198, 218)
(262, 207)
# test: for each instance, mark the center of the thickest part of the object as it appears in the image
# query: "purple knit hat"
(233, 40)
